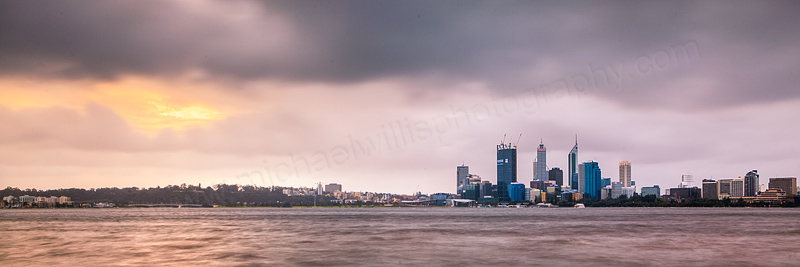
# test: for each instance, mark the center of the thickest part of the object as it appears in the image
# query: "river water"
(400, 236)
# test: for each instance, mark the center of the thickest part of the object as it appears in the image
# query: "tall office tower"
(319, 189)
(572, 169)
(710, 189)
(625, 173)
(751, 186)
(591, 182)
(506, 169)
(462, 174)
(686, 181)
(541, 163)
(787, 184)
(556, 174)
(737, 187)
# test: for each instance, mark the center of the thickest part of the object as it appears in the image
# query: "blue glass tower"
(572, 169)
(592, 179)
(516, 191)
(506, 169)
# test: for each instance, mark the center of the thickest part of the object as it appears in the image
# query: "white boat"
(580, 206)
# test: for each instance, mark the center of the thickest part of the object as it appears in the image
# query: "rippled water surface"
(395, 236)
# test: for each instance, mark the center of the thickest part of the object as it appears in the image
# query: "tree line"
(222, 195)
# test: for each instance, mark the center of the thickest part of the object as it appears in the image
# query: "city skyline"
(388, 96)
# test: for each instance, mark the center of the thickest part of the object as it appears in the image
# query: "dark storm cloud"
(748, 49)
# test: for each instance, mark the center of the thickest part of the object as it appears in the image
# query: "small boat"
(544, 205)
(580, 206)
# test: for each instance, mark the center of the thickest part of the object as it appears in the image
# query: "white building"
(27, 199)
(686, 181)
(605, 192)
(616, 190)
(64, 200)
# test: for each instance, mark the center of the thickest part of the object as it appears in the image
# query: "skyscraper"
(506, 169)
(737, 187)
(556, 174)
(572, 168)
(751, 184)
(591, 183)
(541, 163)
(462, 174)
(625, 173)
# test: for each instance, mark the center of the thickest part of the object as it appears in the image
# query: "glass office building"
(572, 169)
(506, 169)
(516, 191)
(591, 180)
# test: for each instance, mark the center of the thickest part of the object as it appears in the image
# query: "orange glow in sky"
(142, 103)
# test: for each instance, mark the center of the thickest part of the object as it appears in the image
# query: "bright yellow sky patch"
(142, 103)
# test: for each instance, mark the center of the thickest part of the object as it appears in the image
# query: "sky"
(391, 96)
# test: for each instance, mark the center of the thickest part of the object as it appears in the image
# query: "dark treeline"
(223, 195)
(653, 201)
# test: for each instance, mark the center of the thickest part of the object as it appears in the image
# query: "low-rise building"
(684, 193)
(333, 187)
(653, 190)
(787, 184)
(772, 195)
(26, 199)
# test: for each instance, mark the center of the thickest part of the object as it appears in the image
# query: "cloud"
(179, 87)
(747, 49)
